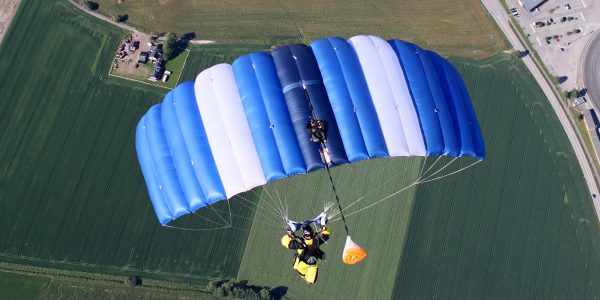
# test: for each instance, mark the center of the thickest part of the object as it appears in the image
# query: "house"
(158, 71)
(531, 5)
(143, 57)
(155, 52)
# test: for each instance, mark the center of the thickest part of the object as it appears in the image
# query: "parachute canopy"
(243, 125)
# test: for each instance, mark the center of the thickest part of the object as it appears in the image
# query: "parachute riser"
(326, 163)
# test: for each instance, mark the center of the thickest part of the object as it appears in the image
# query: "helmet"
(307, 232)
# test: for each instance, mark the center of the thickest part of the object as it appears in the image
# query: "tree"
(170, 47)
(574, 93)
(568, 95)
(239, 290)
(120, 18)
(89, 4)
(265, 294)
(133, 281)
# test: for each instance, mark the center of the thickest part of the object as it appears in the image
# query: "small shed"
(134, 46)
(143, 57)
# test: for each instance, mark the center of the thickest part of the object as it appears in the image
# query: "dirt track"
(8, 8)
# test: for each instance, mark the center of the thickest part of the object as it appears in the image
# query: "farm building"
(155, 52)
(143, 58)
(158, 70)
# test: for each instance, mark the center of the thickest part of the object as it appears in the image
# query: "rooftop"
(530, 5)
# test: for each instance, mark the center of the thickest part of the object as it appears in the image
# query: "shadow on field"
(278, 292)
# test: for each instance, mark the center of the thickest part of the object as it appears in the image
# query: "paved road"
(502, 19)
(591, 70)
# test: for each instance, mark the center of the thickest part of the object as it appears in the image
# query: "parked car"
(579, 101)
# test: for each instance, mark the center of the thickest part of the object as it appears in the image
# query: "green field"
(520, 224)
(20, 286)
(70, 187)
(205, 56)
(449, 26)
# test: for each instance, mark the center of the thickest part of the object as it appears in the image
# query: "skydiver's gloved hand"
(321, 220)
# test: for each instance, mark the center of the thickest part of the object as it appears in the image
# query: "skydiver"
(316, 128)
(308, 254)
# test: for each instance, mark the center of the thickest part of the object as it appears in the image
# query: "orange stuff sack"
(353, 253)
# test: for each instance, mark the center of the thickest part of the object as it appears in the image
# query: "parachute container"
(353, 253)
(242, 125)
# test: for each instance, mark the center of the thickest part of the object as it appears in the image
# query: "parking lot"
(559, 31)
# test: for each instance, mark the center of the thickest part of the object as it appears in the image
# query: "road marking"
(532, 27)
(582, 17)
(583, 3)
(539, 42)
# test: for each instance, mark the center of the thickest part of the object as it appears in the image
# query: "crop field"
(205, 56)
(71, 191)
(380, 230)
(449, 26)
(19, 286)
(518, 225)
(521, 224)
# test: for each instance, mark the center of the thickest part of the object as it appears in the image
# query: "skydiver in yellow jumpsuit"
(308, 254)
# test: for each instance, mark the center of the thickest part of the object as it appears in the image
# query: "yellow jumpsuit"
(307, 271)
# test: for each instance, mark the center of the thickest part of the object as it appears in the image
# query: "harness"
(310, 254)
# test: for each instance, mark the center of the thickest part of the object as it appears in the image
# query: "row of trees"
(239, 290)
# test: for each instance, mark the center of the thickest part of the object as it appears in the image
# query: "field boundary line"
(183, 68)
(138, 81)
(97, 266)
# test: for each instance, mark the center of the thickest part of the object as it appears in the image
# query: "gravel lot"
(7, 12)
